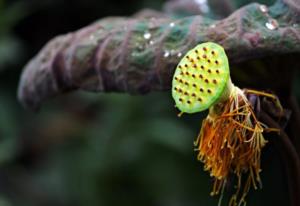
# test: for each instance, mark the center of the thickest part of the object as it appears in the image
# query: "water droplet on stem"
(272, 24)
(263, 8)
(147, 35)
(166, 54)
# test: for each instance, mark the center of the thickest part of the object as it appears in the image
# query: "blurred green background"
(99, 149)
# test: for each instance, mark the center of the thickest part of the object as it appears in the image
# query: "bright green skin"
(204, 86)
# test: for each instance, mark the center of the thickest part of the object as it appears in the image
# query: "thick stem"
(294, 127)
(217, 108)
(227, 92)
(112, 54)
(290, 159)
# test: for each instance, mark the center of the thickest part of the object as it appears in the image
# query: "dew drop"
(151, 42)
(147, 35)
(166, 54)
(172, 24)
(92, 37)
(263, 8)
(272, 24)
(179, 54)
(200, 1)
(202, 5)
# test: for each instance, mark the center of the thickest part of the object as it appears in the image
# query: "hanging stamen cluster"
(230, 141)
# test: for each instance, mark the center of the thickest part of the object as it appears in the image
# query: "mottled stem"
(139, 54)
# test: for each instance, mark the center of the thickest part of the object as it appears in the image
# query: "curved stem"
(290, 158)
(295, 122)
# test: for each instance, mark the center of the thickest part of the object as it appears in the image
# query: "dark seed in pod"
(209, 91)
(188, 101)
(201, 90)
(206, 81)
(215, 81)
(199, 99)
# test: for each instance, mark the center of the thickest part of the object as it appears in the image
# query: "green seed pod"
(200, 78)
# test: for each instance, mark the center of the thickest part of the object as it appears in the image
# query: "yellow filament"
(231, 142)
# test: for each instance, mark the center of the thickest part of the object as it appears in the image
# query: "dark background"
(99, 149)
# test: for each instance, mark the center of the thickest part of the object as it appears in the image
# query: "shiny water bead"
(200, 78)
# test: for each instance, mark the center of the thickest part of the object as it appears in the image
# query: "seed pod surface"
(200, 78)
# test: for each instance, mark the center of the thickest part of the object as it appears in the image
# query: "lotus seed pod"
(200, 78)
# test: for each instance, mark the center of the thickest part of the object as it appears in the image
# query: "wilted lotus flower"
(231, 139)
